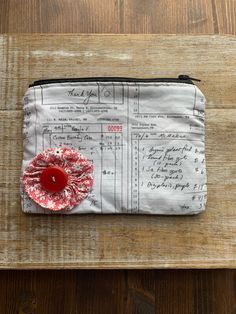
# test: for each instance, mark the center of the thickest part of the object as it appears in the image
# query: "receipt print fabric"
(145, 141)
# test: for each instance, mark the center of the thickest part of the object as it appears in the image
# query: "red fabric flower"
(73, 164)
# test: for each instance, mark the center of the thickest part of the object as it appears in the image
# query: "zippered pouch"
(114, 145)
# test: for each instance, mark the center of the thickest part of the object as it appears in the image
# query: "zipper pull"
(186, 77)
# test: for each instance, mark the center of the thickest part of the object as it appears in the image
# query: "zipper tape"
(180, 79)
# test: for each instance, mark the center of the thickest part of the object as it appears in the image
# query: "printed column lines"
(114, 98)
(115, 177)
(99, 97)
(132, 173)
(44, 210)
(137, 93)
(127, 148)
(138, 176)
(50, 139)
(122, 158)
(101, 148)
(194, 104)
(35, 126)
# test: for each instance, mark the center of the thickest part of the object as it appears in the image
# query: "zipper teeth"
(112, 79)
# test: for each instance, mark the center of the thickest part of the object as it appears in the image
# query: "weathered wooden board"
(89, 241)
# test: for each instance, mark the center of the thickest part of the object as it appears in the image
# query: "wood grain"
(99, 292)
(225, 15)
(118, 291)
(38, 292)
(168, 16)
(118, 16)
(28, 16)
(141, 291)
(206, 240)
(195, 292)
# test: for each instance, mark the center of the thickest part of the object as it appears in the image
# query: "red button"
(54, 179)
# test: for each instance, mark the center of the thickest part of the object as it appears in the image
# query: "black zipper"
(180, 79)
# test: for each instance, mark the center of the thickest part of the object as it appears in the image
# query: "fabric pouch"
(111, 145)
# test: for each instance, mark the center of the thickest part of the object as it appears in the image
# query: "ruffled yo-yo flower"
(58, 178)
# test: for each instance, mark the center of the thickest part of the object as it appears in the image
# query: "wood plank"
(105, 292)
(175, 292)
(101, 292)
(38, 292)
(126, 16)
(26, 58)
(60, 16)
(86, 292)
(4, 12)
(226, 16)
(105, 241)
(196, 291)
(141, 291)
(122, 16)
(167, 16)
